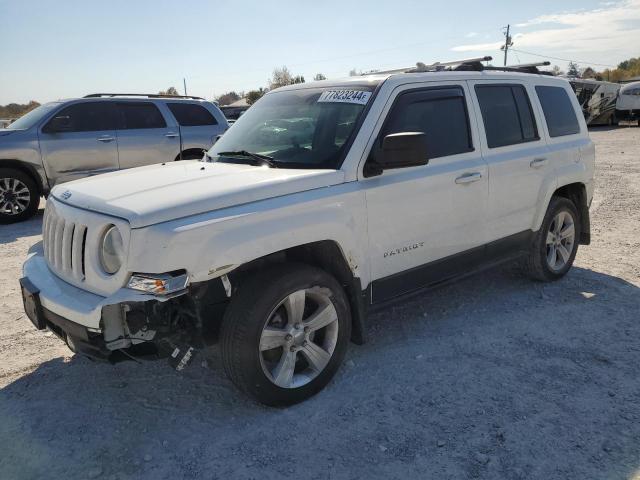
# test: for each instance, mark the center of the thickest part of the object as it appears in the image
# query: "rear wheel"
(19, 196)
(285, 333)
(556, 243)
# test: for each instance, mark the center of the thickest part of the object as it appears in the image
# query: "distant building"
(5, 122)
(235, 109)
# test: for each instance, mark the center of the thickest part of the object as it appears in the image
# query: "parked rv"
(628, 104)
(597, 99)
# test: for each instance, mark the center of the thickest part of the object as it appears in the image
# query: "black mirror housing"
(398, 150)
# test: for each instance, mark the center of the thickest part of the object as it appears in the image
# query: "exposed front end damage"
(127, 324)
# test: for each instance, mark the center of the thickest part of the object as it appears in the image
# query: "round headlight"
(112, 252)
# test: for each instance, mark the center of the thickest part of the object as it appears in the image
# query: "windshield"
(305, 128)
(34, 116)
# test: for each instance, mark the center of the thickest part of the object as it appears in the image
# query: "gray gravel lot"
(493, 377)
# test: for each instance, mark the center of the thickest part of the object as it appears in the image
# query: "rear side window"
(507, 115)
(138, 115)
(191, 115)
(86, 117)
(441, 113)
(558, 111)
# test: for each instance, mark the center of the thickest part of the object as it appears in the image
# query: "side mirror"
(59, 124)
(398, 150)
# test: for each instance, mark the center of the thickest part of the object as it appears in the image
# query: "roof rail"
(147, 95)
(437, 66)
(469, 64)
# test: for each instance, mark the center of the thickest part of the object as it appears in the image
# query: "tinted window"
(507, 115)
(87, 117)
(136, 115)
(440, 113)
(558, 111)
(190, 115)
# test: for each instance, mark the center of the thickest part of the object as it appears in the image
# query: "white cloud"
(611, 30)
(471, 34)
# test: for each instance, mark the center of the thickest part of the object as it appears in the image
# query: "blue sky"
(66, 48)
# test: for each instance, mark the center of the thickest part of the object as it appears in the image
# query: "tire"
(19, 196)
(542, 263)
(259, 338)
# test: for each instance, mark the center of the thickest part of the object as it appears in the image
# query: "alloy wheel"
(299, 338)
(14, 196)
(560, 240)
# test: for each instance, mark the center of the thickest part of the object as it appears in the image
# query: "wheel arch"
(28, 169)
(190, 152)
(325, 254)
(577, 193)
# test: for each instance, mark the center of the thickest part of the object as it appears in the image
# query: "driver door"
(80, 140)
(426, 223)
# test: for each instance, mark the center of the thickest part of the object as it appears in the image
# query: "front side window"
(507, 115)
(191, 115)
(558, 111)
(29, 119)
(139, 115)
(84, 117)
(440, 113)
(302, 128)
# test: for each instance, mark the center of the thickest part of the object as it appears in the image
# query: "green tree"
(573, 70)
(170, 91)
(282, 77)
(227, 98)
(253, 96)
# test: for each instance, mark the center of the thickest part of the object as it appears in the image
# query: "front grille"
(64, 245)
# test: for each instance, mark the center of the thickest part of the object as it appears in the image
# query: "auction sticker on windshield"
(345, 96)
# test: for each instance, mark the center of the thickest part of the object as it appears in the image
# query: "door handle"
(171, 135)
(468, 178)
(106, 139)
(538, 162)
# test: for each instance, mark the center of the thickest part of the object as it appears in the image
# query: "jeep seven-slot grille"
(64, 245)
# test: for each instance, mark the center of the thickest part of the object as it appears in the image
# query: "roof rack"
(434, 67)
(147, 95)
(469, 64)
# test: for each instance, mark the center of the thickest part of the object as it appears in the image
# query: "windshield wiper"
(258, 157)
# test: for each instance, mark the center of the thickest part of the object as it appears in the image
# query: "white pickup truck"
(323, 200)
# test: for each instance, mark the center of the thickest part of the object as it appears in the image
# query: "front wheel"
(556, 243)
(19, 196)
(285, 333)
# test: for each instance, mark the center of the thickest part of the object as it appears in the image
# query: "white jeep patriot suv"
(322, 201)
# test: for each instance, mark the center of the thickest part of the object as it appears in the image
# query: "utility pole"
(184, 82)
(507, 43)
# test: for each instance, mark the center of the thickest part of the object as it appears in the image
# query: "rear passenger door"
(144, 136)
(516, 155)
(198, 126)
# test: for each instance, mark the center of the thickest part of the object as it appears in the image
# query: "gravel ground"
(493, 377)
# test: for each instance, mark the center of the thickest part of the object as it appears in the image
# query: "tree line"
(15, 110)
(282, 76)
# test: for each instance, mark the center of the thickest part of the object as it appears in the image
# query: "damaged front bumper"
(98, 326)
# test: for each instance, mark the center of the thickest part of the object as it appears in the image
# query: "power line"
(564, 59)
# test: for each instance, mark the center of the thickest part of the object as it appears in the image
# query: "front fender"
(213, 244)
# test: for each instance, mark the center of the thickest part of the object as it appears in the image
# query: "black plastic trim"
(448, 268)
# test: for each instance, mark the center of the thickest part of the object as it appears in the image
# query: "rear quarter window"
(191, 115)
(558, 111)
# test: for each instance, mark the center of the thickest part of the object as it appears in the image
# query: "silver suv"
(67, 140)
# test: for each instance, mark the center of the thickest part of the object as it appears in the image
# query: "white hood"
(159, 193)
